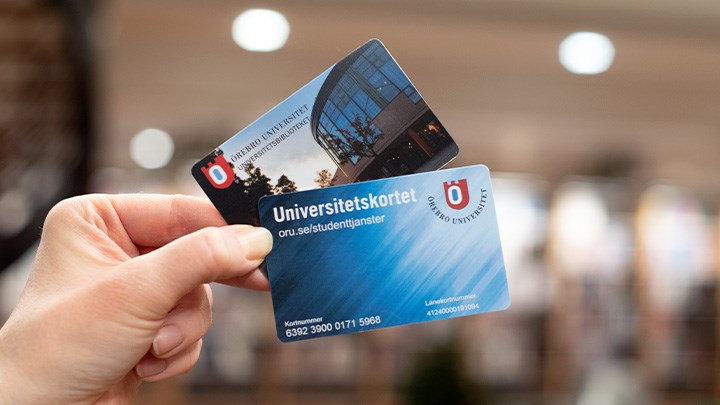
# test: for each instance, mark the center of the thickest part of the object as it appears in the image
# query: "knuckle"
(208, 294)
(200, 314)
(62, 210)
(191, 358)
(206, 311)
(83, 206)
(218, 254)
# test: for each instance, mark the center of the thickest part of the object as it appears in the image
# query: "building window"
(363, 90)
(434, 136)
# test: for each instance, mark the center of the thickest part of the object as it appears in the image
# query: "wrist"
(12, 383)
(7, 393)
(8, 385)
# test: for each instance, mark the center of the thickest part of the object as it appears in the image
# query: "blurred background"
(605, 149)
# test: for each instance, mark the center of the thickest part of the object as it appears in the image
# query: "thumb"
(211, 254)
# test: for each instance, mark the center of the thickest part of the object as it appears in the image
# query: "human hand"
(118, 295)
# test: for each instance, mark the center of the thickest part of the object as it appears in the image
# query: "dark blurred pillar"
(45, 113)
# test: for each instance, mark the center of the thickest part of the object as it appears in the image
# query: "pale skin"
(118, 295)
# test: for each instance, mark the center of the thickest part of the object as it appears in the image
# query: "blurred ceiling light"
(152, 148)
(587, 53)
(260, 30)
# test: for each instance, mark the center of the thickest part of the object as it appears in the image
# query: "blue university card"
(384, 253)
(359, 120)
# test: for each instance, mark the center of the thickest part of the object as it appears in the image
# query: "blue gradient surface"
(391, 269)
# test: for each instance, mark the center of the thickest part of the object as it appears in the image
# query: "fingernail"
(150, 366)
(168, 338)
(258, 242)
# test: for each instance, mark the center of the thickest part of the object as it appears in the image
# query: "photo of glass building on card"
(373, 123)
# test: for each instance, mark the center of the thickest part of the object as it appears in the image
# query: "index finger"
(153, 220)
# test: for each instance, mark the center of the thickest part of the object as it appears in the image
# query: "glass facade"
(368, 86)
(411, 149)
